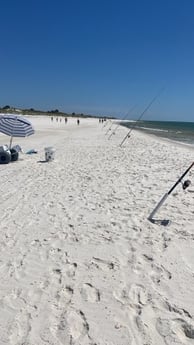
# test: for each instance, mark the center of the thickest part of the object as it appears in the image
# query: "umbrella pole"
(10, 142)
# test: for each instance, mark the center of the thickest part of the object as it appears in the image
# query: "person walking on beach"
(77, 121)
(66, 120)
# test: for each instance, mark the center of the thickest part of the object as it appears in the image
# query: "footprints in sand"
(72, 326)
(151, 314)
(134, 296)
(20, 328)
(103, 264)
(89, 293)
(70, 286)
(153, 320)
(159, 274)
(138, 295)
(64, 295)
(52, 296)
(145, 262)
(175, 331)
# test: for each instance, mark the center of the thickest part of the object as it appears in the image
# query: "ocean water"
(177, 131)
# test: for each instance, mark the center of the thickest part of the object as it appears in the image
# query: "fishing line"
(146, 109)
(110, 127)
(124, 118)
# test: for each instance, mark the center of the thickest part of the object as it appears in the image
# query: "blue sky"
(99, 56)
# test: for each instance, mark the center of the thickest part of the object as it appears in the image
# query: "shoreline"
(165, 130)
(168, 140)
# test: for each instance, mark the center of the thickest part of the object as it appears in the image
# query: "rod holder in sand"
(157, 207)
(185, 185)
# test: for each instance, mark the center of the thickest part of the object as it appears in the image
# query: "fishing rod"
(110, 126)
(184, 185)
(106, 122)
(135, 124)
(125, 117)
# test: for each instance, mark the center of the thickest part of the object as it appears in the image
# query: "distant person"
(78, 121)
(66, 120)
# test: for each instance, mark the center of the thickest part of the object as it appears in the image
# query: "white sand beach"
(80, 263)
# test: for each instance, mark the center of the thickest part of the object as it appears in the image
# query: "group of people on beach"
(102, 120)
(58, 119)
(65, 119)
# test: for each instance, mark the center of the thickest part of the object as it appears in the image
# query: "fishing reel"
(186, 184)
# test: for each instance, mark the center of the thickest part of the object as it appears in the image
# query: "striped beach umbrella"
(15, 126)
